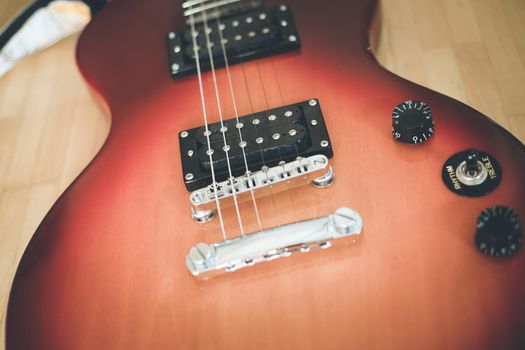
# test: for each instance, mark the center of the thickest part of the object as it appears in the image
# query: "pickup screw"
(175, 67)
(259, 140)
(292, 38)
(238, 37)
(272, 117)
(312, 103)
(242, 144)
(235, 23)
(176, 49)
(189, 176)
(222, 26)
(324, 143)
(256, 121)
(276, 136)
(171, 35)
(190, 153)
(224, 129)
(239, 125)
(209, 152)
(288, 114)
(262, 16)
(284, 23)
(249, 20)
(184, 134)
(226, 148)
(292, 132)
(282, 7)
(251, 34)
(265, 30)
(313, 122)
(207, 133)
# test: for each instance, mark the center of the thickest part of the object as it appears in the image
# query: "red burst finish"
(106, 269)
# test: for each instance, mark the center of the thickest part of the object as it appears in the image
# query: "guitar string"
(223, 129)
(203, 104)
(253, 119)
(298, 157)
(265, 167)
(318, 193)
(230, 84)
(286, 183)
(252, 111)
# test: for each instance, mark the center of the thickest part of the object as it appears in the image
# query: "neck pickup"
(254, 34)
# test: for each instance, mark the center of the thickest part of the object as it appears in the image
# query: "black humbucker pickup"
(268, 138)
(252, 35)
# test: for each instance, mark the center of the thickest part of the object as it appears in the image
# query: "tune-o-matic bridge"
(314, 169)
(252, 35)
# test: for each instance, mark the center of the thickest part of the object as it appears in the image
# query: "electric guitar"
(266, 184)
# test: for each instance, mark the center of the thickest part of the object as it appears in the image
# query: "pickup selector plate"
(269, 137)
(252, 35)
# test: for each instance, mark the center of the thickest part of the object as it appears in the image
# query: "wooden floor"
(50, 127)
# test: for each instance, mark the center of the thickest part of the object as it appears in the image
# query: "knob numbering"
(412, 122)
(498, 231)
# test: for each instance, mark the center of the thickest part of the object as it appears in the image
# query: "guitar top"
(266, 184)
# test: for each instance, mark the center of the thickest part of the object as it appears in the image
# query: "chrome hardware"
(471, 178)
(218, 8)
(231, 255)
(202, 216)
(279, 178)
(326, 180)
(204, 7)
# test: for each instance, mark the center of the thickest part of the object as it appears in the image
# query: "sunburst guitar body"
(415, 197)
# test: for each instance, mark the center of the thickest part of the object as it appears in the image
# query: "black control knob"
(412, 122)
(498, 231)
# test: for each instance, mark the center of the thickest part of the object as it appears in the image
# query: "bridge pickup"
(206, 260)
(268, 138)
(252, 35)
